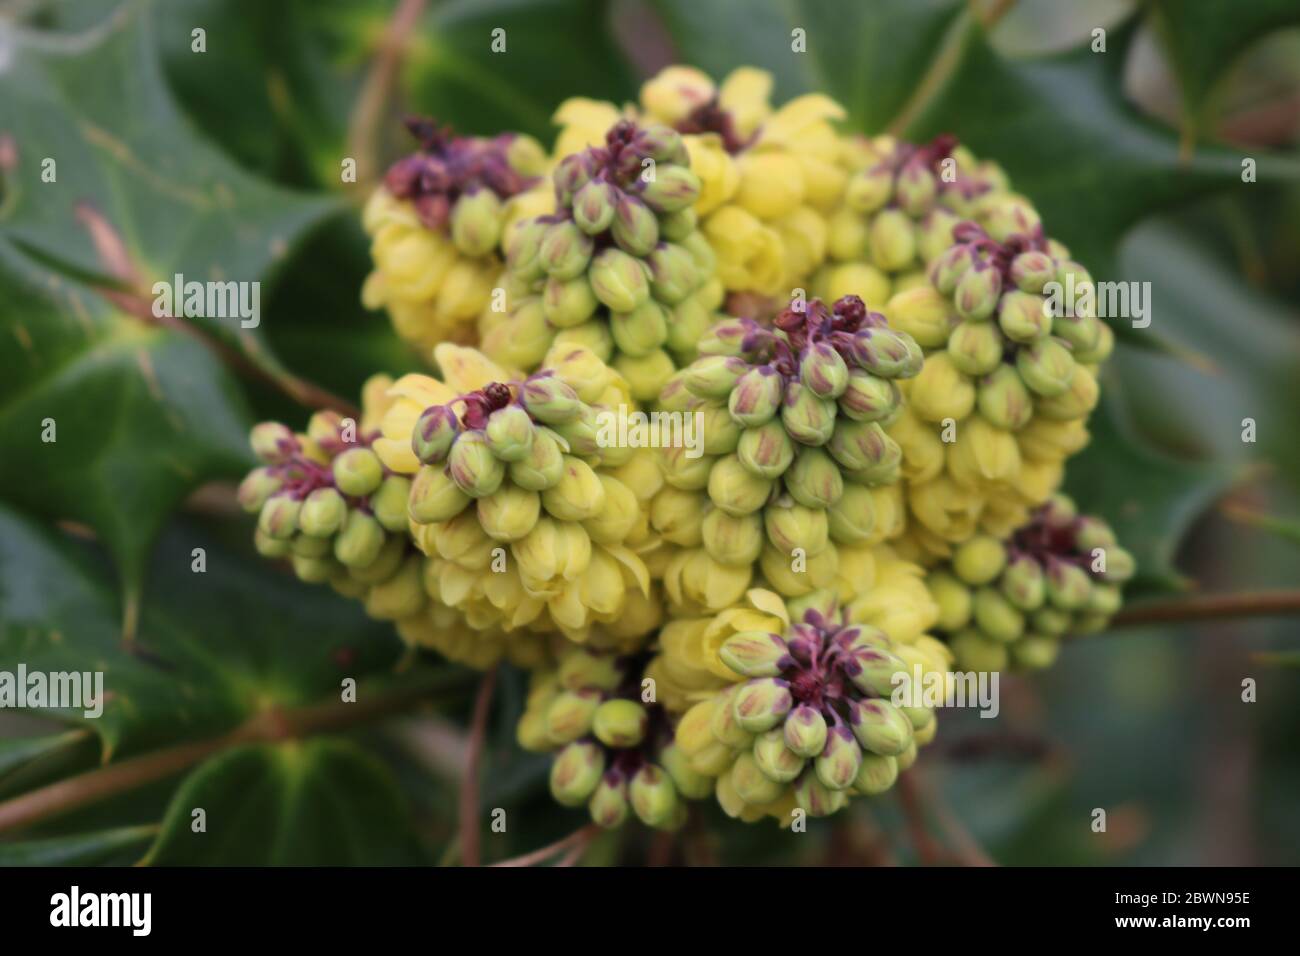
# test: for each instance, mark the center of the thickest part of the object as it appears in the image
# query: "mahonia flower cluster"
(794, 455)
(1007, 604)
(436, 226)
(866, 341)
(620, 267)
(614, 751)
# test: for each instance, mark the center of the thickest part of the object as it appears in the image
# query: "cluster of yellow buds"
(436, 226)
(718, 600)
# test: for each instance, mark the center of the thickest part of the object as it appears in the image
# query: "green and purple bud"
(434, 433)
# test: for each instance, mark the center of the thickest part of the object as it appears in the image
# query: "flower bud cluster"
(436, 225)
(795, 451)
(614, 751)
(1008, 604)
(619, 268)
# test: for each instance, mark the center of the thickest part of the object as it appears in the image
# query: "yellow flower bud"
(940, 391)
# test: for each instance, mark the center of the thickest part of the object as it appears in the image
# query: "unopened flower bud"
(258, 485)
(774, 759)
(1022, 583)
(576, 773)
(609, 806)
(852, 519)
(753, 653)
(1032, 270)
(323, 512)
(814, 797)
(735, 489)
(676, 226)
(837, 765)
(870, 189)
(756, 396)
(995, 616)
(880, 727)
(620, 723)
(873, 670)
(891, 240)
(473, 467)
(360, 541)
(887, 352)
(593, 206)
(272, 442)
(761, 703)
(509, 433)
(434, 496)
(565, 250)
(549, 400)
(358, 472)
(570, 715)
(476, 222)
(814, 480)
(278, 519)
(714, 376)
(915, 189)
(1003, 399)
(509, 513)
(673, 188)
(578, 495)
(807, 418)
(750, 783)
(1022, 318)
(619, 280)
(869, 398)
(1068, 585)
(571, 174)
(805, 732)
(789, 526)
(863, 448)
(876, 774)
(732, 539)
(653, 796)
(673, 273)
(635, 228)
(976, 348)
(766, 451)
(953, 598)
(949, 269)
(976, 295)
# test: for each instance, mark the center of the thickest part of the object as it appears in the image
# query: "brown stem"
(363, 126)
(578, 838)
(909, 795)
(1210, 607)
(269, 726)
(469, 832)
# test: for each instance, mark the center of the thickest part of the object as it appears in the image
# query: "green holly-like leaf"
(316, 803)
(116, 847)
(1150, 498)
(1203, 40)
(24, 750)
(214, 648)
(871, 57)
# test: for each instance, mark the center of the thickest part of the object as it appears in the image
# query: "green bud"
(565, 250)
(1068, 585)
(823, 371)
(1035, 652)
(863, 448)
(949, 268)
(635, 228)
(473, 467)
(568, 302)
(272, 442)
(690, 782)
(389, 503)
(570, 715)
(756, 396)
(774, 759)
(689, 321)
(1104, 599)
(876, 774)
(976, 295)
(358, 472)
(593, 206)
(570, 175)
(814, 480)
(1022, 316)
(383, 568)
(735, 489)
(641, 331)
(509, 433)
(976, 347)
(714, 376)
(581, 669)
(279, 517)
(766, 451)
(620, 723)
(509, 513)
(312, 570)
(620, 281)
(608, 806)
(434, 433)
(673, 273)
(476, 222)
(887, 352)
(815, 798)
(1120, 565)
(750, 783)
(1003, 399)
(305, 546)
(807, 418)
(789, 526)
(1051, 621)
(324, 511)
(653, 796)
(761, 703)
(674, 188)
(953, 599)
(975, 652)
(676, 226)
(434, 496)
(258, 485)
(805, 732)
(724, 338)
(576, 773)
(730, 539)
(1031, 271)
(1047, 367)
(880, 727)
(543, 466)
(874, 669)
(1081, 332)
(582, 435)
(1022, 583)
(523, 252)
(550, 400)
(837, 765)
(869, 398)
(852, 519)
(980, 559)
(915, 189)
(360, 541)
(870, 189)
(891, 240)
(995, 616)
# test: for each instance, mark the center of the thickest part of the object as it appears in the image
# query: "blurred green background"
(226, 164)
